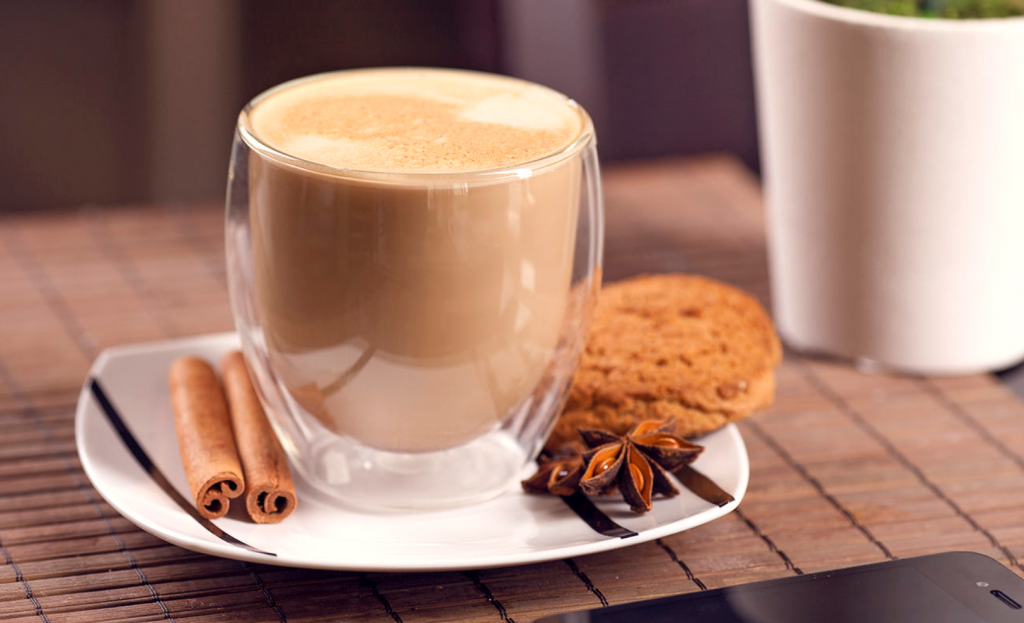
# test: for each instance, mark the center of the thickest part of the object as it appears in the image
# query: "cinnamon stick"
(269, 494)
(205, 439)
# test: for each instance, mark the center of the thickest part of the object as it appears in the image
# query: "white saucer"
(513, 529)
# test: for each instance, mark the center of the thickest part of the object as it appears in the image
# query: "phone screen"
(895, 592)
(895, 595)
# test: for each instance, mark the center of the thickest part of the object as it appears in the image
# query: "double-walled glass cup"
(412, 336)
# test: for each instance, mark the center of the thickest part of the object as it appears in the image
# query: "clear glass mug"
(412, 336)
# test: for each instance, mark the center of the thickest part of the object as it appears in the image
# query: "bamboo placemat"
(846, 468)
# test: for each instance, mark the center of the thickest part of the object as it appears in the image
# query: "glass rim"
(523, 170)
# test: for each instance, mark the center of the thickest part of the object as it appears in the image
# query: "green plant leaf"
(950, 9)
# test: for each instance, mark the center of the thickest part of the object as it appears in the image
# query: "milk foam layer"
(404, 120)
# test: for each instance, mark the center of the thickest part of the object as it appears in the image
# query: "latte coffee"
(411, 292)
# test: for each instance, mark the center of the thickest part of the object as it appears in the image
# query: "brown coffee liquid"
(413, 313)
(416, 121)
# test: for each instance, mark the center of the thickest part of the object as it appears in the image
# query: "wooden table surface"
(846, 468)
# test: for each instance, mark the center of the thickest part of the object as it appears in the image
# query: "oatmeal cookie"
(678, 346)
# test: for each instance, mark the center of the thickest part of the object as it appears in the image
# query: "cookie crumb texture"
(672, 346)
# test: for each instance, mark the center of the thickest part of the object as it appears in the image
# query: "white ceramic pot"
(893, 155)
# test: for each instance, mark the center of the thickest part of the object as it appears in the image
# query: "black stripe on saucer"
(154, 472)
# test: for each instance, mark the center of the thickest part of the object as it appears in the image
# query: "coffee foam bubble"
(416, 121)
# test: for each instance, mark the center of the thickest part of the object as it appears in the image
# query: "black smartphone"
(956, 587)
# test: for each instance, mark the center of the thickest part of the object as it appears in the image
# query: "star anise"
(558, 474)
(636, 462)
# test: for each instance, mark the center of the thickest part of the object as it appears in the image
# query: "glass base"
(355, 474)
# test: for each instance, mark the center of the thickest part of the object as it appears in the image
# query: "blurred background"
(122, 101)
